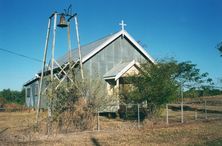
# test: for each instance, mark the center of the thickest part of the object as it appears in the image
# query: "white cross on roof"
(122, 24)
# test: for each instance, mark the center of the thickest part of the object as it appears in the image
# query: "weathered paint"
(119, 51)
(32, 99)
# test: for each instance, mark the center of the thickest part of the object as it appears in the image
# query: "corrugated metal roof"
(85, 49)
(30, 81)
(115, 70)
(93, 47)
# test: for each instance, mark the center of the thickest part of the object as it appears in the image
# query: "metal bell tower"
(65, 22)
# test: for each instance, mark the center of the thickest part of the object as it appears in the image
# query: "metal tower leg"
(69, 44)
(78, 41)
(52, 64)
(43, 68)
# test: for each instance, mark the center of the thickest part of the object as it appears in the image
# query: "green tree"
(161, 83)
(155, 84)
(189, 76)
(6, 93)
(20, 97)
(219, 47)
(13, 96)
(2, 102)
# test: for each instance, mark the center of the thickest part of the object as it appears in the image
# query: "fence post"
(195, 114)
(181, 90)
(167, 115)
(138, 110)
(205, 108)
(182, 112)
(126, 112)
(98, 128)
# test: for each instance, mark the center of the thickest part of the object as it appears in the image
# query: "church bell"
(62, 22)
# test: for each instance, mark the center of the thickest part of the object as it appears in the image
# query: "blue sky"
(183, 29)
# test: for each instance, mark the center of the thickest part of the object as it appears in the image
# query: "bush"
(13, 107)
(2, 102)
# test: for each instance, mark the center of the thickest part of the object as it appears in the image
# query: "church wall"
(120, 50)
(31, 95)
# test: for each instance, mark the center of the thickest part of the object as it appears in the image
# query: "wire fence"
(127, 116)
(131, 116)
(206, 109)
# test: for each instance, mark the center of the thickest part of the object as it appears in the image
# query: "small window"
(36, 89)
(28, 92)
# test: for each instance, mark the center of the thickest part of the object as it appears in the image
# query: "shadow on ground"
(217, 142)
(95, 141)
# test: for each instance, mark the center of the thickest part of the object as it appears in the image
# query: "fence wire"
(127, 116)
(130, 116)
(193, 111)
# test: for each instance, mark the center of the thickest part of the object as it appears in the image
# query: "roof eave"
(125, 33)
(111, 39)
(96, 50)
(31, 81)
(123, 71)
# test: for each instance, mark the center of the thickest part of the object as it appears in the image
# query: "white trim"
(108, 78)
(139, 47)
(124, 33)
(99, 48)
(125, 69)
(85, 58)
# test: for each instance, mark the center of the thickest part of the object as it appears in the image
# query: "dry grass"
(113, 132)
(216, 97)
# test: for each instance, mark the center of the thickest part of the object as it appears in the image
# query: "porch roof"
(117, 71)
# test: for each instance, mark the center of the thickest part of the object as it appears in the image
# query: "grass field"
(15, 130)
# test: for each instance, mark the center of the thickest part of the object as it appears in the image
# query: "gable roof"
(89, 50)
(85, 50)
(117, 71)
(31, 81)
(140, 48)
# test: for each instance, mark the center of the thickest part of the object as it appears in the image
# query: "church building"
(108, 60)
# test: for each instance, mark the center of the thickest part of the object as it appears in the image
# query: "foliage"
(188, 76)
(13, 107)
(155, 85)
(161, 83)
(219, 47)
(2, 102)
(66, 96)
(74, 104)
(11, 96)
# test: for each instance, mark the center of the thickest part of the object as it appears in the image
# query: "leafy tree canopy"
(13, 96)
(219, 47)
(189, 76)
(159, 84)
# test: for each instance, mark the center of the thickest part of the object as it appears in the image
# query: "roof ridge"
(106, 36)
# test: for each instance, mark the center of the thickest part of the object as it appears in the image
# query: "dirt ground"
(15, 130)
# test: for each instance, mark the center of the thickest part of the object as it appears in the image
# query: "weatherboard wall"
(118, 51)
(31, 91)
